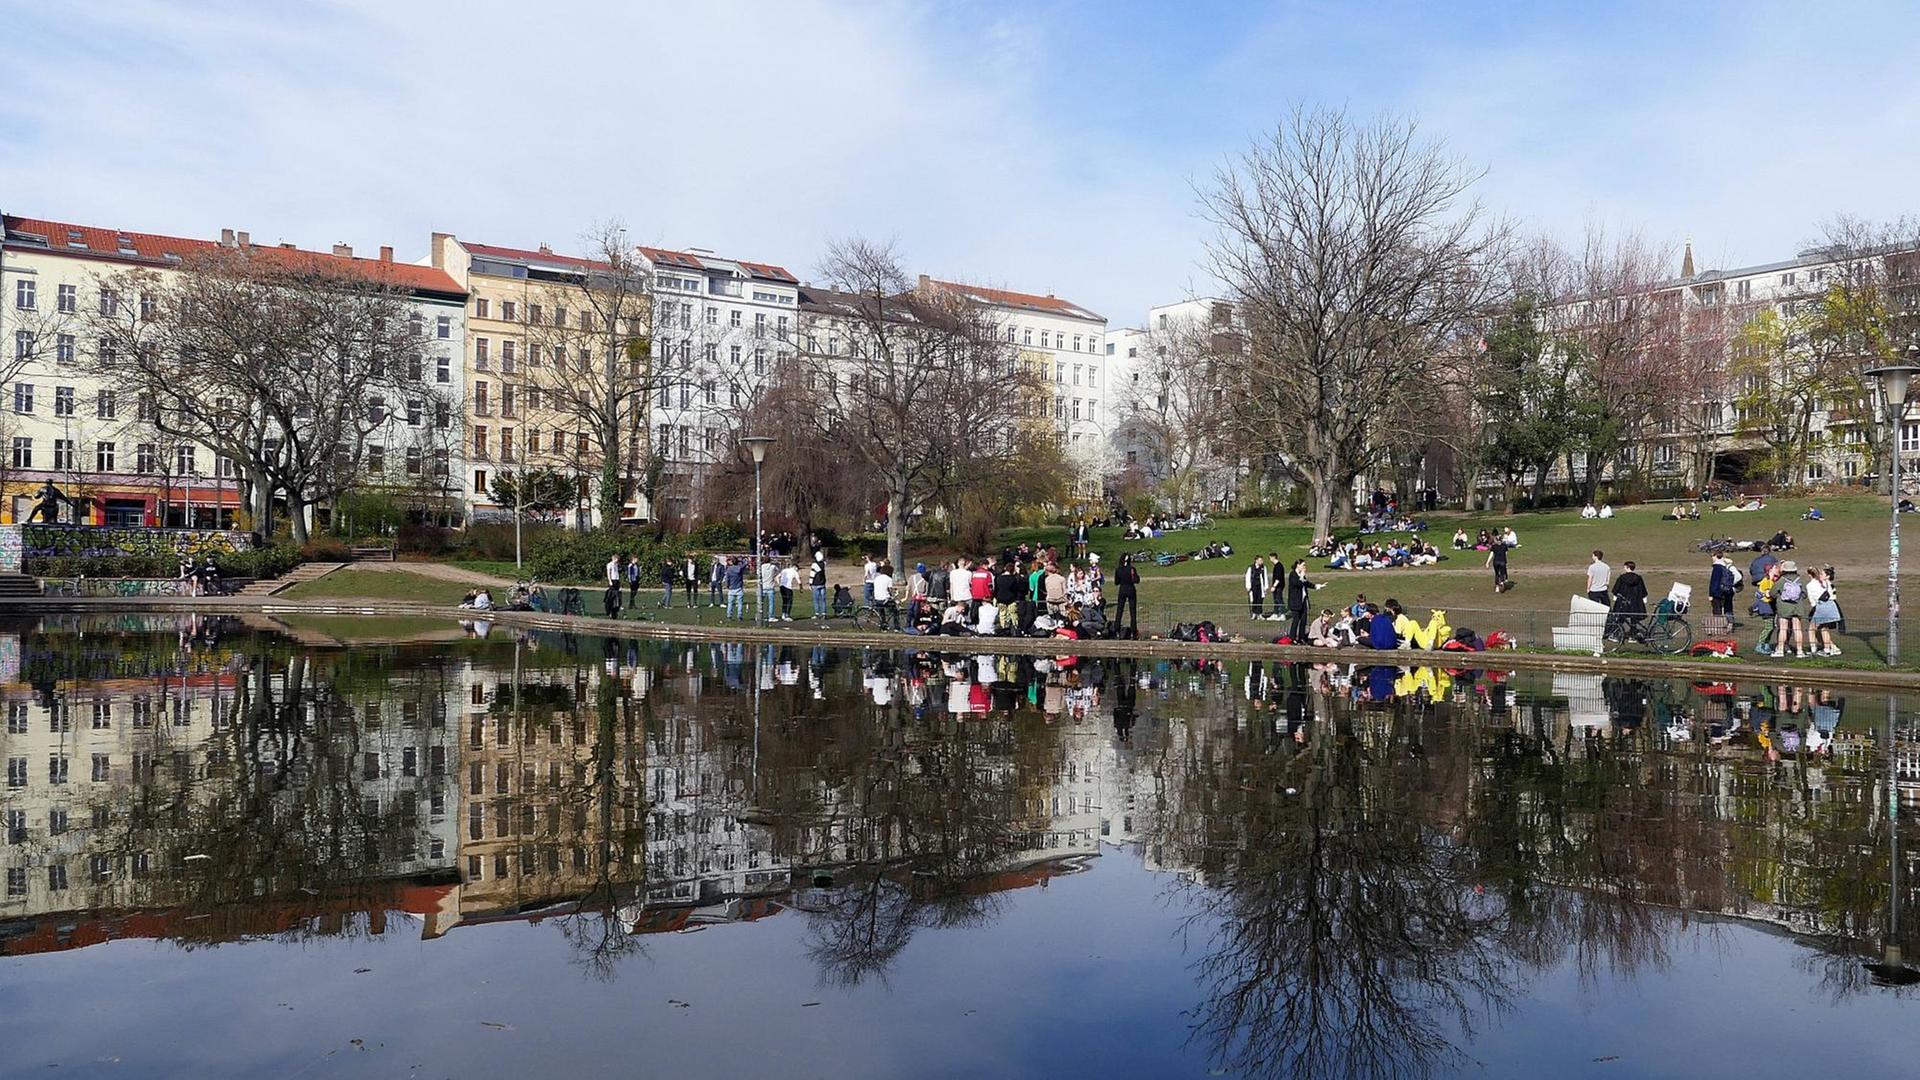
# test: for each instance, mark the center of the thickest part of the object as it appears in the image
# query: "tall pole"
(1893, 548)
(759, 592)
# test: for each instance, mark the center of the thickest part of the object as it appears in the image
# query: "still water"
(236, 850)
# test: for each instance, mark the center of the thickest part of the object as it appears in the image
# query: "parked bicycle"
(1664, 630)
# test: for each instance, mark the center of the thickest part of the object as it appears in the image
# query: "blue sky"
(1052, 147)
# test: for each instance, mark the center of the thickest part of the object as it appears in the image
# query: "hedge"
(575, 556)
(266, 562)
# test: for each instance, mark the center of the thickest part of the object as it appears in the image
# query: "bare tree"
(590, 364)
(285, 362)
(926, 391)
(1170, 409)
(1353, 256)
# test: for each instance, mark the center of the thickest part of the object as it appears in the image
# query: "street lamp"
(1894, 380)
(757, 446)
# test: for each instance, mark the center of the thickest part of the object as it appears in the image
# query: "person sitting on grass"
(1380, 632)
(1460, 541)
(1320, 631)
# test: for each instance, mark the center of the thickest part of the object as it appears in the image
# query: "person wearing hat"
(916, 593)
(1790, 628)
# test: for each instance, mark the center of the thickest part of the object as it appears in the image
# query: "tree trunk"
(897, 525)
(261, 502)
(297, 515)
(1324, 495)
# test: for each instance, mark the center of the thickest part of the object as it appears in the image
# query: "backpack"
(1183, 632)
(1790, 591)
(1206, 631)
(1739, 579)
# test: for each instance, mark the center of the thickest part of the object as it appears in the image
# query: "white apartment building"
(1149, 392)
(720, 326)
(58, 423)
(1066, 344)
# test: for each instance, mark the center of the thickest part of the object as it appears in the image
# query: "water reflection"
(1375, 865)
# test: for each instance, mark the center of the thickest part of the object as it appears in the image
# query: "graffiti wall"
(11, 550)
(39, 541)
(114, 587)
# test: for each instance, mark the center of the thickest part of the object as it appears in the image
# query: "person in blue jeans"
(734, 577)
(818, 579)
(669, 573)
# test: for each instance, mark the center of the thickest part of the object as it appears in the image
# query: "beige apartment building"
(535, 358)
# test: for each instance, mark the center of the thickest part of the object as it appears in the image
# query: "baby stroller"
(842, 602)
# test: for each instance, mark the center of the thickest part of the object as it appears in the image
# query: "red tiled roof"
(1008, 298)
(151, 249)
(523, 255)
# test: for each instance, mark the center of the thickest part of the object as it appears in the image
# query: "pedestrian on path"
(633, 580)
(1497, 559)
(735, 581)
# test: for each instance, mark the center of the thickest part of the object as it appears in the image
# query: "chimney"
(386, 252)
(226, 238)
(344, 251)
(926, 283)
(545, 250)
(241, 239)
(288, 246)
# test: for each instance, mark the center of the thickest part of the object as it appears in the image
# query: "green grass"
(378, 585)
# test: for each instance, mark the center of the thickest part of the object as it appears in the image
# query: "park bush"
(719, 536)
(418, 539)
(265, 562)
(325, 549)
(575, 556)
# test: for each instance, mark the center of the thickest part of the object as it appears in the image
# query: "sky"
(1051, 147)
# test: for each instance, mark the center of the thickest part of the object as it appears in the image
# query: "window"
(442, 463)
(146, 409)
(759, 324)
(68, 299)
(443, 327)
(1910, 437)
(480, 402)
(24, 292)
(480, 442)
(712, 440)
(105, 406)
(780, 329)
(481, 307)
(710, 392)
(22, 344)
(413, 461)
(713, 315)
(56, 768)
(442, 415)
(376, 459)
(63, 454)
(733, 319)
(63, 348)
(413, 412)
(102, 768)
(147, 305)
(506, 399)
(686, 440)
(17, 772)
(183, 463)
(22, 452)
(733, 395)
(663, 438)
(666, 397)
(480, 351)
(507, 358)
(508, 311)
(63, 401)
(223, 467)
(479, 481)
(686, 395)
(23, 397)
(143, 458)
(759, 361)
(506, 444)
(109, 302)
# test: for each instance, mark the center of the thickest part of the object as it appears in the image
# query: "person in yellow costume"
(1415, 636)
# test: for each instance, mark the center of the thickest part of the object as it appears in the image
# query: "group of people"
(202, 578)
(1152, 528)
(1388, 626)
(1588, 513)
(1022, 592)
(1802, 615)
(1289, 592)
(1409, 552)
(1485, 540)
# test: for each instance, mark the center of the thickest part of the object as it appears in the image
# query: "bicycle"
(1664, 630)
(1715, 545)
(868, 616)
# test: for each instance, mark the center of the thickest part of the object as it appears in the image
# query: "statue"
(47, 507)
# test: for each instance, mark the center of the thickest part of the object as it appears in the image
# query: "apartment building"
(720, 327)
(59, 423)
(540, 327)
(1065, 344)
(1163, 399)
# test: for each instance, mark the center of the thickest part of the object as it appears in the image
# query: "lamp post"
(1894, 380)
(757, 446)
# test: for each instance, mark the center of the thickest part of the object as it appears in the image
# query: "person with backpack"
(1790, 625)
(1762, 608)
(1720, 586)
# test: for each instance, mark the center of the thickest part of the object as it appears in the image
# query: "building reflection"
(1384, 857)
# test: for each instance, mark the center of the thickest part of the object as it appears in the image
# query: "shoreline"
(1888, 679)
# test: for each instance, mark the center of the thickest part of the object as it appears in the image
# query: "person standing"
(1276, 586)
(668, 574)
(1823, 611)
(1497, 559)
(789, 580)
(1630, 592)
(1126, 580)
(1298, 590)
(716, 577)
(735, 582)
(1256, 583)
(1790, 628)
(1720, 586)
(769, 583)
(818, 580)
(633, 581)
(690, 578)
(610, 601)
(616, 564)
(1599, 576)
(867, 571)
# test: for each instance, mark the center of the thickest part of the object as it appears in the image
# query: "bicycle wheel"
(1670, 636)
(866, 619)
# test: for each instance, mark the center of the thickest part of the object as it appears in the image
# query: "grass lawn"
(1547, 568)
(378, 585)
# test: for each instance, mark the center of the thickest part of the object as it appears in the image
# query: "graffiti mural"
(12, 552)
(115, 587)
(41, 541)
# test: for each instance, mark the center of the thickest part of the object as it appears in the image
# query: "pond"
(240, 849)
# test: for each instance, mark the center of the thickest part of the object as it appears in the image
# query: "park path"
(441, 571)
